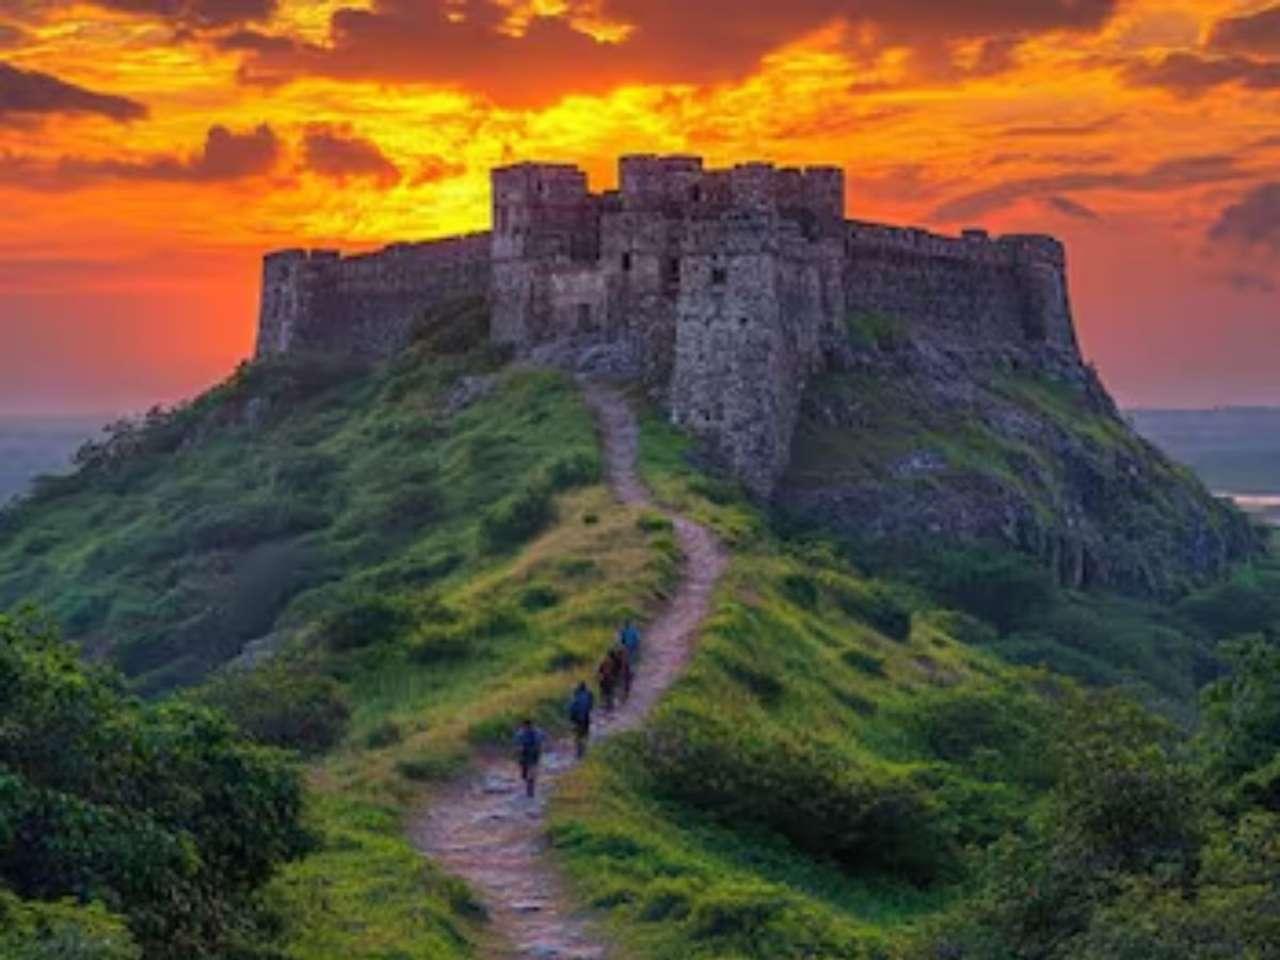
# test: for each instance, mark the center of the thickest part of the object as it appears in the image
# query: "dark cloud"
(1169, 175)
(189, 14)
(226, 156)
(1253, 222)
(1070, 208)
(1257, 33)
(339, 155)
(29, 93)
(713, 40)
(1190, 74)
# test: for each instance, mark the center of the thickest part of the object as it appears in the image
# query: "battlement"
(724, 290)
(974, 245)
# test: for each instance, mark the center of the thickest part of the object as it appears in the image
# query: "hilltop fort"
(726, 291)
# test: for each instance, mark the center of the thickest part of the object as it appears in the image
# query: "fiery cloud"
(137, 133)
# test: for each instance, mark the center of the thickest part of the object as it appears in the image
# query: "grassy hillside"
(417, 555)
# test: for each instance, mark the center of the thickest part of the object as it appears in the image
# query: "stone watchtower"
(761, 288)
(545, 222)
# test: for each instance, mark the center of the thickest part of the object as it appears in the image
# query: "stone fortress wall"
(725, 290)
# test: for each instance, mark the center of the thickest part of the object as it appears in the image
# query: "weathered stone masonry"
(725, 290)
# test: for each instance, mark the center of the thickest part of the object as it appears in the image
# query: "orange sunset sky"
(151, 150)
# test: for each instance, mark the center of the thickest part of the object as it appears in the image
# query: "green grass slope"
(428, 552)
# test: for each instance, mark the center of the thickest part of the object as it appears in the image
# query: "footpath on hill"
(483, 828)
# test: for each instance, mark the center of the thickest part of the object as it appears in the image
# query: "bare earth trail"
(483, 828)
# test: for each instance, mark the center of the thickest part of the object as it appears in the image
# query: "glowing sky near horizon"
(151, 150)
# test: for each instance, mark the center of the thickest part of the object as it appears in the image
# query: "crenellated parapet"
(724, 290)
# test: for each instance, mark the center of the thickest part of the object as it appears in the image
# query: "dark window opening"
(626, 262)
(719, 276)
(695, 194)
(673, 270)
(743, 321)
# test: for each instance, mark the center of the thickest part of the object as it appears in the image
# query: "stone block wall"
(369, 304)
(747, 340)
(726, 288)
(971, 291)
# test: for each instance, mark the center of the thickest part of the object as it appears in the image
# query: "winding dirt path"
(483, 829)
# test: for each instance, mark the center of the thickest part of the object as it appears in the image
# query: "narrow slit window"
(719, 276)
(626, 262)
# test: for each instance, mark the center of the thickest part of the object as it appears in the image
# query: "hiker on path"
(529, 742)
(607, 675)
(625, 675)
(580, 708)
(629, 637)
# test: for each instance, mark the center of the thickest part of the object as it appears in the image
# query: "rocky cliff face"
(916, 440)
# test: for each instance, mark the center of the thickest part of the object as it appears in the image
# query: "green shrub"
(65, 930)
(652, 522)
(576, 469)
(517, 518)
(385, 734)
(1004, 589)
(442, 644)
(801, 589)
(864, 662)
(818, 796)
(872, 603)
(366, 620)
(282, 704)
(539, 596)
(163, 811)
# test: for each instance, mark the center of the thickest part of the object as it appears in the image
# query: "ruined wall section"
(368, 304)
(972, 291)
(748, 321)
(546, 223)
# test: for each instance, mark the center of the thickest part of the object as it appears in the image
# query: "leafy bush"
(652, 522)
(517, 518)
(366, 620)
(161, 810)
(575, 469)
(282, 704)
(539, 596)
(64, 930)
(872, 603)
(385, 734)
(1006, 590)
(1247, 603)
(809, 791)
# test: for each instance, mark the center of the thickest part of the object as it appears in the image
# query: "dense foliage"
(161, 814)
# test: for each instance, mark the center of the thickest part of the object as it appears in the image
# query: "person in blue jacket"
(580, 708)
(529, 743)
(629, 637)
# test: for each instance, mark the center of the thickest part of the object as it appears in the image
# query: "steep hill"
(415, 555)
(916, 438)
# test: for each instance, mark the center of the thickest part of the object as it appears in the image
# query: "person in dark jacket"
(529, 743)
(608, 675)
(580, 708)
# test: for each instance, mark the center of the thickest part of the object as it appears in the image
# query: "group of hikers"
(614, 677)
